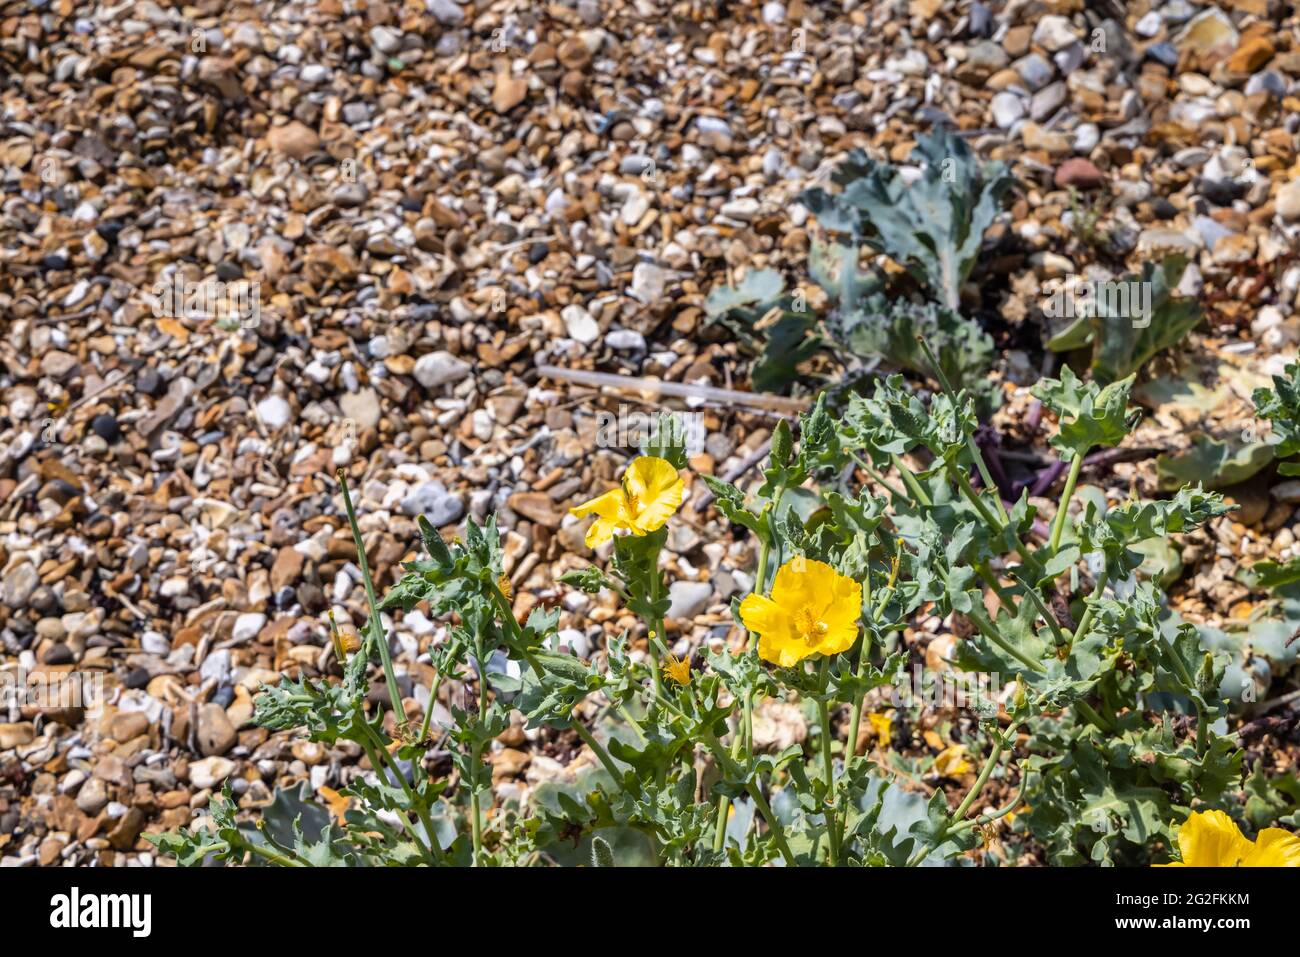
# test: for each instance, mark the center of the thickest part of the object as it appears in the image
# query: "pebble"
(688, 599)
(432, 500)
(428, 219)
(215, 734)
(1007, 109)
(436, 369)
(580, 325)
(1054, 33)
(210, 772)
(274, 412)
(1288, 201)
(247, 626)
(1078, 172)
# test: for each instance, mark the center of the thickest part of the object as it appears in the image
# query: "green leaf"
(1089, 415)
(1281, 407)
(887, 328)
(758, 287)
(1212, 462)
(932, 225)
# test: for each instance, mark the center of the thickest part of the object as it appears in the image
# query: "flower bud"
(782, 443)
(1205, 683)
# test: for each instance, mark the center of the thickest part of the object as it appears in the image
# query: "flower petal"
(1212, 839)
(841, 615)
(657, 488)
(601, 531)
(764, 617)
(803, 583)
(784, 652)
(1275, 847)
(609, 506)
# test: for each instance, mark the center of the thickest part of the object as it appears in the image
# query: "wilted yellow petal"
(338, 803)
(951, 761)
(884, 726)
(678, 669)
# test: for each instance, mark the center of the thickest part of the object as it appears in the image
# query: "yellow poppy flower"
(814, 610)
(884, 725)
(650, 493)
(678, 669)
(1212, 839)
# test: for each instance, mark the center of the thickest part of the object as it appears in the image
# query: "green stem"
(987, 629)
(955, 818)
(986, 573)
(1090, 714)
(633, 723)
(1090, 611)
(1202, 732)
(773, 823)
(373, 752)
(984, 819)
(744, 736)
(855, 720)
(1058, 523)
(988, 517)
(272, 855)
(476, 816)
(877, 477)
(434, 687)
(985, 773)
(720, 825)
(1032, 594)
(376, 626)
(913, 486)
(971, 445)
(731, 769)
(828, 767)
(599, 750)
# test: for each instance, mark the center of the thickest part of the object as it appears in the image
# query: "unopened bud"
(782, 443)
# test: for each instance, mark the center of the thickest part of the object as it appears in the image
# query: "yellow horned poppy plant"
(650, 493)
(1212, 839)
(814, 610)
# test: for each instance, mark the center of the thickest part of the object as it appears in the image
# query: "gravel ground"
(425, 203)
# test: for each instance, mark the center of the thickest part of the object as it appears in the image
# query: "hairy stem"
(1062, 510)
(376, 626)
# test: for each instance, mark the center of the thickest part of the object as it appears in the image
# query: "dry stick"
(759, 401)
(735, 472)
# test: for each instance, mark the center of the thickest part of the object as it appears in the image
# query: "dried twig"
(760, 401)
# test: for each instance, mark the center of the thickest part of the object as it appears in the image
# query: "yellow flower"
(650, 493)
(951, 761)
(678, 669)
(813, 610)
(884, 725)
(1212, 839)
